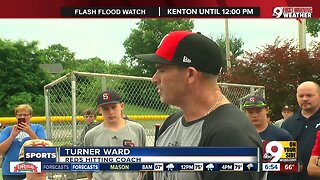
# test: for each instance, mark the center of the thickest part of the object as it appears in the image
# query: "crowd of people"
(187, 68)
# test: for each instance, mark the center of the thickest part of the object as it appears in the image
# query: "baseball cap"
(33, 143)
(287, 108)
(188, 49)
(108, 97)
(254, 102)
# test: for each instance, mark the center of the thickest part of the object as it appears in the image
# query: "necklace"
(214, 105)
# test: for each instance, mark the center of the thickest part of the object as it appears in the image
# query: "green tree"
(94, 65)
(20, 71)
(97, 65)
(280, 67)
(146, 38)
(121, 69)
(35, 101)
(57, 53)
(313, 27)
(235, 45)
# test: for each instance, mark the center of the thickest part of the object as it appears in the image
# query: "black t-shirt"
(273, 133)
(226, 126)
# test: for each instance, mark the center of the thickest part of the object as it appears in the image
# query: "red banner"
(230, 8)
(289, 167)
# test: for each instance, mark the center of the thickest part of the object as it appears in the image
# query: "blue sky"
(104, 37)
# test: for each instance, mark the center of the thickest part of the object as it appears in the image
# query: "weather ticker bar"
(189, 12)
(214, 167)
(161, 159)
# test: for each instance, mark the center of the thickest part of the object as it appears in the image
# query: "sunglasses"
(88, 116)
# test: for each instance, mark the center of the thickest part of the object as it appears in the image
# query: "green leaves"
(146, 38)
(20, 73)
(313, 27)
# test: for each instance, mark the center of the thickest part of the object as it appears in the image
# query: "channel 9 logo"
(292, 12)
(277, 12)
(279, 151)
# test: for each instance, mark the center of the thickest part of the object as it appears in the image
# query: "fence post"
(74, 109)
(74, 113)
(47, 112)
(251, 90)
(103, 83)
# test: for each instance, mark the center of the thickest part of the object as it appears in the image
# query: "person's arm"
(314, 166)
(5, 145)
(41, 132)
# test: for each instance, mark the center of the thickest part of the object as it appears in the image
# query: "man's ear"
(122, 105)
(192, 74)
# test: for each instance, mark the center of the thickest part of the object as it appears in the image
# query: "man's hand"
(25, 128)
(14, 131)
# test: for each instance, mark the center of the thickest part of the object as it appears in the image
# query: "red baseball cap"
(188, 49)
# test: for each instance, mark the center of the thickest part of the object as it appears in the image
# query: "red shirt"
(316, 147)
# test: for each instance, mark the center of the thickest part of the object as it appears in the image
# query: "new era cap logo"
(186, 59)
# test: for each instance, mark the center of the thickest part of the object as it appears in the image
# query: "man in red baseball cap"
(187, 66)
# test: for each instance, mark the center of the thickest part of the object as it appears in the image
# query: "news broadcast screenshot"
(159, 90)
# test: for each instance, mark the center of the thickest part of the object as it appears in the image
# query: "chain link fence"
(67, 97)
